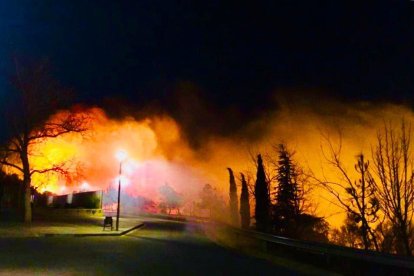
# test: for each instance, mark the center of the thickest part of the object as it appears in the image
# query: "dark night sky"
(235, 56)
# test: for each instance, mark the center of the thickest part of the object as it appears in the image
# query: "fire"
(157, 152)
(153, 153)
(48, 154)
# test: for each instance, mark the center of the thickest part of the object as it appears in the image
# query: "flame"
(159, 154)
(153, 153)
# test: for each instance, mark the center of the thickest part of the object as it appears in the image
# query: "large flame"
(156, 154)
(159, 154)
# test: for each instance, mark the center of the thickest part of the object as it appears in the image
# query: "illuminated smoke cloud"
(158, 153)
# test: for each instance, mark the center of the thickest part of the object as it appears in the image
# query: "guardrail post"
(328, 259)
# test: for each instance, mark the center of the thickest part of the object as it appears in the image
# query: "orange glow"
(151, 151)
(158, 153)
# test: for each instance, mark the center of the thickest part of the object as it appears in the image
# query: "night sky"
(214, 57)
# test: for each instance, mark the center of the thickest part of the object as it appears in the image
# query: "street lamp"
(121, 156)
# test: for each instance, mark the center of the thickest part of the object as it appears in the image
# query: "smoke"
(159, 151)
(156, 154)
(307, 127)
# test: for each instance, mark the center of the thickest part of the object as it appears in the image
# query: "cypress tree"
(262, 198)
(286, 209)
(233, 198)
(244, 204)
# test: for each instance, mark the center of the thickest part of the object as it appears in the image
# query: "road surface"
(162, 247)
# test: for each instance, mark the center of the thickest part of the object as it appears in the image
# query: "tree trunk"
(365, 236)
(405, 240)
(27, 204)
(27, 181)
(374, 239)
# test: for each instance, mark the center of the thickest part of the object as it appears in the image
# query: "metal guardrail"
(332, 255)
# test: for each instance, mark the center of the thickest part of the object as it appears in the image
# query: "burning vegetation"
(346, 165)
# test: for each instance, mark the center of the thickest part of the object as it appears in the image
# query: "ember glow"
(155, 153)
(151, 151)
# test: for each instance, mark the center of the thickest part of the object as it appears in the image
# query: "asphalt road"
(160, 248)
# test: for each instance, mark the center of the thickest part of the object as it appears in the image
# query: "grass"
(59, 221)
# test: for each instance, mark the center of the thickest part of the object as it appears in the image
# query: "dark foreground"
(160, 248)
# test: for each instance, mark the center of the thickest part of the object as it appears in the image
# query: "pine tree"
(233, 198)
(286, 208)
(244, 204)
(262, 198)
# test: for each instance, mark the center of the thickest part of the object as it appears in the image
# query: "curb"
(99, 234)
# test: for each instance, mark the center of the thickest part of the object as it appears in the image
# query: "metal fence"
(332, 257)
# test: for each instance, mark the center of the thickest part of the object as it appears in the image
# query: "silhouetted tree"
(233, 198)
(290, 215)
(208, 198)
(37, 97)
(170, 199)
(269, 172)
(286, 208)
(388, 237)
(356, 197)
(347, 235)
(364, 210)
(310, 227)
(130, 203)
(394, 181)
(211, 200)
(262, 215)
(244, 204)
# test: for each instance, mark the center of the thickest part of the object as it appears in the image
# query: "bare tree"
(37, 97)
(355, 197)
(170, 199)
(394, 180)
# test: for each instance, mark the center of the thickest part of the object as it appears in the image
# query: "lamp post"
(120, 155)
